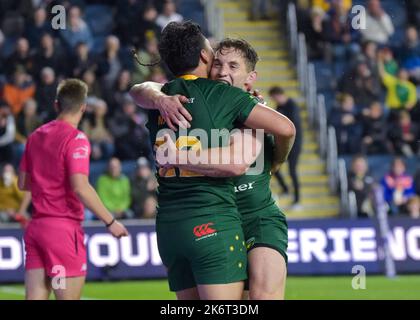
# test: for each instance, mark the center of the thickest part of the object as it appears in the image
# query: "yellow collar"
(188, 77)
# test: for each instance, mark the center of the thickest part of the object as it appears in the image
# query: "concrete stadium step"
(320, 202)
(263, 82)
(268, 74)
(256, 34)
(310, 180)
(263, 25)
(234, 5)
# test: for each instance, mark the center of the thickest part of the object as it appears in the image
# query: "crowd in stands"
(96, 46)
(369, 72)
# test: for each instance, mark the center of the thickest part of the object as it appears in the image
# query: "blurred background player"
(290, 109)
(55, 169)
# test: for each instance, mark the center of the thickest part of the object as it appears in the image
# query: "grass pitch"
(298, 288)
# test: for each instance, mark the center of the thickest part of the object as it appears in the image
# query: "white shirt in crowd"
(378, 30)
(163, 20)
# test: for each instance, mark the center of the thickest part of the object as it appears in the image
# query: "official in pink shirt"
(55, 169)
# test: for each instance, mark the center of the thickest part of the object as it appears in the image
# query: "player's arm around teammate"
(230, 161)
(148, 96)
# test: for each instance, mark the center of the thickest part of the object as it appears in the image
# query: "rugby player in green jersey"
(198, 269)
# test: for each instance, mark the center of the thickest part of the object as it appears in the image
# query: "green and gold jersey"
(253, 192)
(212, 105)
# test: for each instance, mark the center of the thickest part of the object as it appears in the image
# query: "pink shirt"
(53, 153)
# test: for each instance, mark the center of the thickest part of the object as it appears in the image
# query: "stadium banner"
(316, 247)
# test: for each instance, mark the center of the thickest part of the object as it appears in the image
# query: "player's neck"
(72, 120)
(200, 71)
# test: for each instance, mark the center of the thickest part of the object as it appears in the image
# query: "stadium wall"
(316, 247)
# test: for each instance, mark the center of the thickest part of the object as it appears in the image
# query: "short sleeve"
(77, 155)
(233, 102)
(245, 104)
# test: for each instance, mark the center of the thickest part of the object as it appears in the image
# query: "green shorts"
(266, 228)
(204, 248)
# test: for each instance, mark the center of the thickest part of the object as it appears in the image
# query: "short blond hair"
(71, 95)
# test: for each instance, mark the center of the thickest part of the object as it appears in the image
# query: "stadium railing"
(292, 30)
(332, 159)
(214, 17)
(316, 107)
(381, 210)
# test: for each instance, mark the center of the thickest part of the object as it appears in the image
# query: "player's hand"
(256, 93)
(118, 230)
(173, 112)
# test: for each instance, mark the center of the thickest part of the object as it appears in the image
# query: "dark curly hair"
(243, 47)
(180, 46)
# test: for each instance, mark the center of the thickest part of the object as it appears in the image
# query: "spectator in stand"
(379, 27)
(114, 190)
(38, 26)
(45, 94)
(169, 14)
(7, 133)
(361, 183)
(21, 56)
(390, 64)
(398, 186)
(405, 135)
(409, 53)
(95, 127)
(13, 202)
(50, 55)
(339, 33)
(27, 121)
(347, 125)
(148, 55)
(361, 83)
(131, 136)
(326, 4)
(148, 26)
(109, 65)
(150, 205)
(315, 34)
(94, 87)
(20, 89)
(143, 186)
(82, 60)
(129, 12)
(401, 93)
(413, 207)
(260, 9)
(413, 12)
(290, 109)
(119, 93)
(375, 131)
(76, 30)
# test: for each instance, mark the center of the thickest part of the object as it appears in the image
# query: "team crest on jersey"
(204, 231)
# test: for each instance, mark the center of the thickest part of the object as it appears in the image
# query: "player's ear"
(56, 106)
(83, 108)
(251, 78)
(204, 56)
